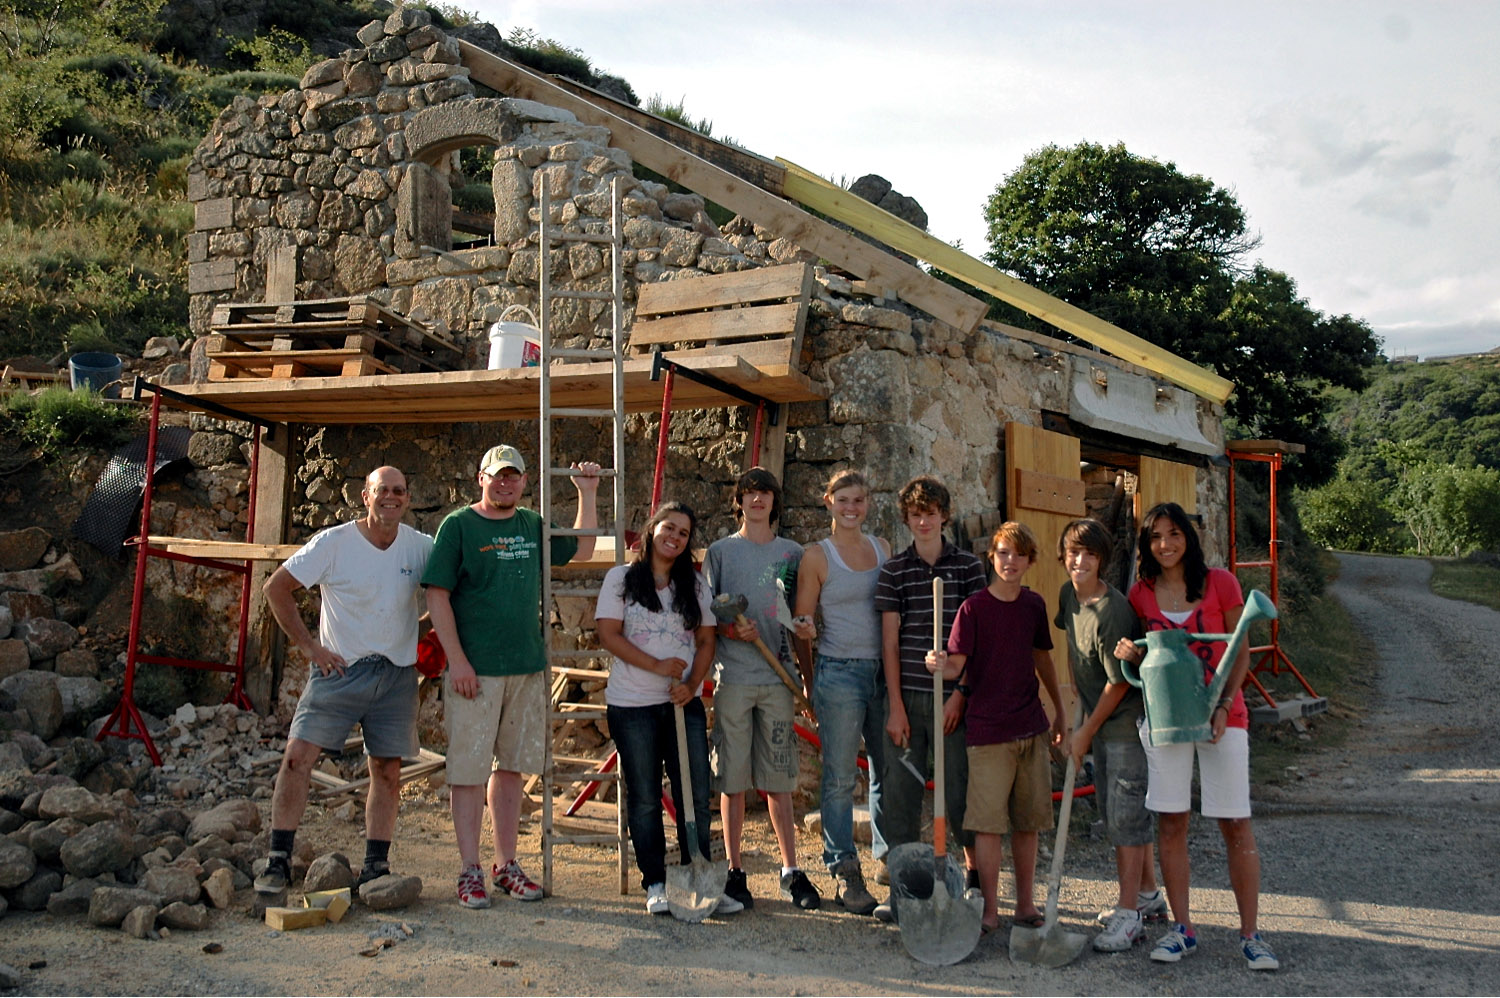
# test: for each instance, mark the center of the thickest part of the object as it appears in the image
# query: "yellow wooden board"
(726, 324)
(1049, 493)
(1055, 455)
(817, 193)
(1166, 481)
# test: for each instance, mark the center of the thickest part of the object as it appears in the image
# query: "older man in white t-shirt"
(369, 573)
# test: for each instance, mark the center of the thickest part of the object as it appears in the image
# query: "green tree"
(1348, 513)
(1449, 509)
(1163, 254)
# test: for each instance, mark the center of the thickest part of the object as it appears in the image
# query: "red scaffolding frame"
(126, 721)
(1268, 659)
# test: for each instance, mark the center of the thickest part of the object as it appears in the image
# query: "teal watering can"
(1179, 703)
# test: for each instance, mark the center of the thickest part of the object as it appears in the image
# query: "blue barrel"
(95, 370)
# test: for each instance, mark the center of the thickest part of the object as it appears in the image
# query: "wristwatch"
(962, 688)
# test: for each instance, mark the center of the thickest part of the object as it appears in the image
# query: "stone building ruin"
(345, 185)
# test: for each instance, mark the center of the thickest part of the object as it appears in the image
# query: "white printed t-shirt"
(660, 635)
(370, 604)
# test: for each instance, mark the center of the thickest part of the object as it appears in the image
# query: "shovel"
(938, 924)
(693, 890)
(1051, 946)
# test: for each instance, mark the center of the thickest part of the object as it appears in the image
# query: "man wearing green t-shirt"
(483, 584)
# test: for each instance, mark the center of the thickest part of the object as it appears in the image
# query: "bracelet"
(1221, 706)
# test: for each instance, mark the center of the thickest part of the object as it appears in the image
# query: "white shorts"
(1223, 775)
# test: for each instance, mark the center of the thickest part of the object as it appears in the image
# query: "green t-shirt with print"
(491, 568)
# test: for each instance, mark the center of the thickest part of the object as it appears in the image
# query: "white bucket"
(514, 344)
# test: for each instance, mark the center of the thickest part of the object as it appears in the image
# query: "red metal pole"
(661, 441)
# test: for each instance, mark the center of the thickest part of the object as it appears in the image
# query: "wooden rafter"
(819, 194)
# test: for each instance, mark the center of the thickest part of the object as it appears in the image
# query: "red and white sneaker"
(513, 880)
(471, 892)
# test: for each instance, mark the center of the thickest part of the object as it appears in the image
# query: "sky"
(1362, 139)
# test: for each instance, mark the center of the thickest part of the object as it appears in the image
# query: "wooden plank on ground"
(843, 249)
(819, 194)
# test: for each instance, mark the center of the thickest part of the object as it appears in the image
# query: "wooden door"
(1044, 491)
(1166, 481)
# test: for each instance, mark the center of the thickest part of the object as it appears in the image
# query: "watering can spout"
(1258, 606)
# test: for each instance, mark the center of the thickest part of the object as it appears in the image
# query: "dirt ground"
(1379, 878)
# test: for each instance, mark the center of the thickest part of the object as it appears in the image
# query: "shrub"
(57, 419)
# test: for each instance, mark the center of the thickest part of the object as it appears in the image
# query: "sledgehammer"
(730, 608)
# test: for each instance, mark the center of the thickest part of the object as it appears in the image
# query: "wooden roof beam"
(843, 249)
(817, 193)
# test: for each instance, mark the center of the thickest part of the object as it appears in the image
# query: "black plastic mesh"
(112, 512)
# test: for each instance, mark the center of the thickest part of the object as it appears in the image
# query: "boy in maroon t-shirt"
(999, 649)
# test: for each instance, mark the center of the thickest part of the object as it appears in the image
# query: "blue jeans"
(849, 698)
(646, 738)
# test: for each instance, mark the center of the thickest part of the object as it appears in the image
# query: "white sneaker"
(728, 906)
(656, 900)
(1120, 932)
(1153, 906)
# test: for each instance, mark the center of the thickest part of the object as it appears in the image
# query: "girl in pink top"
(1177, 589)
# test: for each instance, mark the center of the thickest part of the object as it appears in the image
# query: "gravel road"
(1379, 878)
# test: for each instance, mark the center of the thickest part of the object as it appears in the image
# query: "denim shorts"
(1120, 775)
(373, 692)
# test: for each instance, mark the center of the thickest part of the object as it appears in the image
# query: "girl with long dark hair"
(655, 617)
(1177, 589)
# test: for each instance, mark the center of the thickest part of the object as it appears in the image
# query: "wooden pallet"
(329, 337)
(24, 381)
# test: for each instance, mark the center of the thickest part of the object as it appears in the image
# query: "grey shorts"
(379, 696)
(754, 744)
(1120, 780)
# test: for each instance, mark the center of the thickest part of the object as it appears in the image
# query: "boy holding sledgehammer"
(754, 744)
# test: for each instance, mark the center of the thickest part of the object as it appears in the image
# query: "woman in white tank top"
(837, 580)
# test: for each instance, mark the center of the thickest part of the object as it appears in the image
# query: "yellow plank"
(1166, 481)
(820, 195)
(1050, 493)
(289, 919)
(1032, 449)
(793, 280)
(940, 300)
(228, 550)
(726, 324)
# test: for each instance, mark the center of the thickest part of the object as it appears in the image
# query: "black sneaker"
(276, 876)
(796, 888)
(736, 888)
(373, 871)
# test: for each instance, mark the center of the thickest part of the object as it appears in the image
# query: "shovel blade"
(693, 891)
(1050, 946)
(941, 929)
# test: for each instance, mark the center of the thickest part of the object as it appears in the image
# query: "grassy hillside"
(101, 105)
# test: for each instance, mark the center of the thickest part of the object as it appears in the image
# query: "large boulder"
(72, 899)
(46, 579)
(100, 848)
(180, 915)
(79, 804)
(47, 841)
(173, 884)
(232, 820)
(83, 699)
(21, 549)
(33, 895)
(46, 638)
(328, 872)
(36, 693)
(391, 891)
(17, 863)
(109, 905)
(14, 657)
